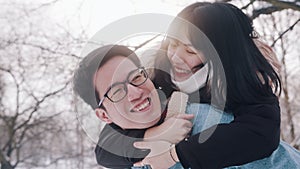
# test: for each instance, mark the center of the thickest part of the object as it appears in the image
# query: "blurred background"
(40, 47)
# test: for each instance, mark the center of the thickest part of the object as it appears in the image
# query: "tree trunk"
(6, 165)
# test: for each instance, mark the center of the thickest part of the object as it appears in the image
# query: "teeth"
(142, 106)
(181, 70)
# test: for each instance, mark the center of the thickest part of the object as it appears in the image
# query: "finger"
(188, 129)
(185, 116)
(188, 125)
(138, 164)
(141, 145)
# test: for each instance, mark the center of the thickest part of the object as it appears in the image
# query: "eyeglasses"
(119, 90)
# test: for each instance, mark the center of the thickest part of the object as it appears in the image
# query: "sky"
(95, 14)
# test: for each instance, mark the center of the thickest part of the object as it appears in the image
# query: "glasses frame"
(124, 83)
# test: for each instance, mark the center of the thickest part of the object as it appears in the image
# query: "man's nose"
(134, 92)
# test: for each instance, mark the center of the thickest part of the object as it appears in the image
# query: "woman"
(246, 90)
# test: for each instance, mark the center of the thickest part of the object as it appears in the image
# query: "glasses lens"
(117, 92)
(138, 77)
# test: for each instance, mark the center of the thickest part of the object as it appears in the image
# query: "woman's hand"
(162, 155)
(172, 130)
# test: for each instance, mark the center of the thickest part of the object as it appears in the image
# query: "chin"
(150, 124)
(141, 126)
(180, 79)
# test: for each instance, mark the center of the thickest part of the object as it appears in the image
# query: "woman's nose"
(134, 92)
(178, 56)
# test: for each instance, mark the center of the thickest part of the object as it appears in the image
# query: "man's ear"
(102, 115)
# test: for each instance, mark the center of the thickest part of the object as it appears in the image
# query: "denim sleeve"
(253, 134)
(207, 116)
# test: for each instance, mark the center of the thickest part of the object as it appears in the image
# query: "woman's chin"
(181, 77)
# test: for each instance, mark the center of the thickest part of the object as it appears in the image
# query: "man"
(111, 80)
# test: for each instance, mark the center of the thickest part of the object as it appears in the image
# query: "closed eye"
(116, 92)
(137, 78)
(191, 52)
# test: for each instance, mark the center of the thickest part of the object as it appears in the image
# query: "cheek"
(170, 54)
(149, 86)
(194, 61)
(117, 109)
(152, 91)
(123, 106)
(201, 56)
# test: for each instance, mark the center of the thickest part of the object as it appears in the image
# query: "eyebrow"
(185, 44)
(188, 45)
(118, 82)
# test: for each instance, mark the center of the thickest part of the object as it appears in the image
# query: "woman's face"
(185, 59)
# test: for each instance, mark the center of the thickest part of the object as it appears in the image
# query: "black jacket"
(254, 134)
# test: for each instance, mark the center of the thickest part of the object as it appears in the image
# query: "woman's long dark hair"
(230, 32)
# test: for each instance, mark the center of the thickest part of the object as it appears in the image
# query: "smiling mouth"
(179, 70)
(184, 71)
(142, 106)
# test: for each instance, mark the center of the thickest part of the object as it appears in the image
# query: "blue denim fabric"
(285, 156)
(207, 116)
(143, 167)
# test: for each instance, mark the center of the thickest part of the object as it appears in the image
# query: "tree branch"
(284, 32)
(268, 10)
(246, 6)
(43, 5)
(37, 104)
(17, 87)
(285, 4)
(144, 43)
(49, 50)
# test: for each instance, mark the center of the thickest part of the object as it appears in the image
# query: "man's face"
(140, 108)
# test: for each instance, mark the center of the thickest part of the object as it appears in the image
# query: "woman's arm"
(254, 134)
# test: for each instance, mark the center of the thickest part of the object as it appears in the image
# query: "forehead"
(114, 70)
(179, 31)
(186, 42)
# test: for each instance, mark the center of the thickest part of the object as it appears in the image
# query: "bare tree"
(38, 125)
